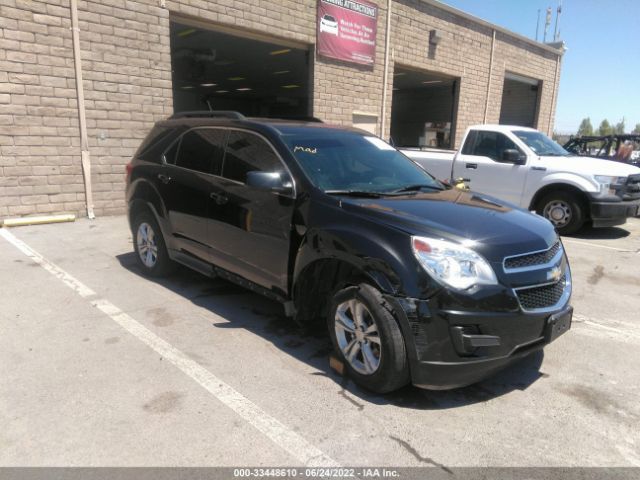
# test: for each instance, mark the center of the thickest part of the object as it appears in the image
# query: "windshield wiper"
(362, 193)
(416, 187)
(354, 193)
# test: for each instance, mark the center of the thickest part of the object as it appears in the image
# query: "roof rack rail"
(209, 113)
(299, 118)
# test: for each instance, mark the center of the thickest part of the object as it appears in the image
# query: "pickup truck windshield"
(349, 162)
(540, 143)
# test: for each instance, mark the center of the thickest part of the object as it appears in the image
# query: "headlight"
(452, 264)
(608, 184)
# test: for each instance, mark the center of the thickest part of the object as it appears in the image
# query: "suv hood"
(499, 228)
(590, 166)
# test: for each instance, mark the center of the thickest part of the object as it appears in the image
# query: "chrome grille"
(542, 296)
(532, 259)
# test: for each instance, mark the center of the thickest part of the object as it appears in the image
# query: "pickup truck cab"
(526, 168)
(416, 281)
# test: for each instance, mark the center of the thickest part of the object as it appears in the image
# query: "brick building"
(141, 60)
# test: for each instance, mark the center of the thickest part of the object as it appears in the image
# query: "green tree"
(620, 126)
(637, 129)
(585, 127)
(605, 128)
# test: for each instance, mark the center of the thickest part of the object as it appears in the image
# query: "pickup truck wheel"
(563, 210)
(148, 243)
(367, 338)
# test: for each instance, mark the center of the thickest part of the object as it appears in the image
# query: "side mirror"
(271, 181)
(512, 155)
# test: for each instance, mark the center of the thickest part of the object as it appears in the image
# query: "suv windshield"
(540, 143)
(338, 161)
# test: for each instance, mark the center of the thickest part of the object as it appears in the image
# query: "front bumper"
(609, 214)
(440, 343)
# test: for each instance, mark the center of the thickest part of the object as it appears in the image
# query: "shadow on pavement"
(261, 316)
(607, 233)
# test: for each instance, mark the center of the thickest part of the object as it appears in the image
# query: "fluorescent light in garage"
(222, 91)
(291, 86)
(280, 52)
(235, 79)
(208, 84)
(281, 72)
(187, 32)
(244, 89)
(431, 82)
(187, 87)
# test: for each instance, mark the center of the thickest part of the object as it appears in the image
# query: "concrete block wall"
(39, 136)
(126, 68)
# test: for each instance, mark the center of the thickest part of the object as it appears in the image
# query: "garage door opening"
(213, 70)
(520, 98)
(423, 109)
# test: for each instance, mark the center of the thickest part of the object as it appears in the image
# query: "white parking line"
(597, 245)
(618, 330)
(276, 431)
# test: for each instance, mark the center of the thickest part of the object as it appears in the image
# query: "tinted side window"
(201, 150)
(492, 144)
(247, 152)
(469, 143)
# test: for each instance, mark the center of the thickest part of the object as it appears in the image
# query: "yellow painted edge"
(22, 221)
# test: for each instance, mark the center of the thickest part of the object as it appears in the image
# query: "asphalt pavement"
(100, 366)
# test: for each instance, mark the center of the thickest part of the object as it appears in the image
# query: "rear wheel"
(563, 210)
(367, 338)
(149, 245)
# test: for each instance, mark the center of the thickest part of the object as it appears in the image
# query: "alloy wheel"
(358, 336)
(147, 245)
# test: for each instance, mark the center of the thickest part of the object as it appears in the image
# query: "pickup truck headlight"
(608, 184)
(452, 264)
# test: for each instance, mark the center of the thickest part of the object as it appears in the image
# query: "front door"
(481, 162)
(251, 227)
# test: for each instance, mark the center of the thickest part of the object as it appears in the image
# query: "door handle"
(218, 198)
(472, 166)
(164, 178)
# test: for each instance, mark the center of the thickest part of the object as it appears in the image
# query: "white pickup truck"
(525, 167)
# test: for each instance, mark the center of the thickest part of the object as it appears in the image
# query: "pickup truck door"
(481, 162)
(250, 228)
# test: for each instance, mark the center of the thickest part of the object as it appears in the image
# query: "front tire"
(367, 338)
(563, 210)
(149, 245)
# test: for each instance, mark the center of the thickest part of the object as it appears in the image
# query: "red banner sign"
(347, 30)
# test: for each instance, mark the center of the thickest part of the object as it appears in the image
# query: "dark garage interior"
(423, 109)
(519, 100)
(214, 70)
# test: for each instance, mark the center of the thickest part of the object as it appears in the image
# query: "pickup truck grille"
(543, 296)
(532, 259)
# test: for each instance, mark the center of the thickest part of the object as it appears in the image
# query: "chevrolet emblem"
(554, 274)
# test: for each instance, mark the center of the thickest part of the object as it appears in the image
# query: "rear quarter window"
(155, 143)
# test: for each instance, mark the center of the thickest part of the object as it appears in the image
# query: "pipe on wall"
(486, 104)
(385, 89)
(84, 142)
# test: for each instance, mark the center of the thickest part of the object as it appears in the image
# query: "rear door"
(250, 227)
(184, 182)
(480, 161)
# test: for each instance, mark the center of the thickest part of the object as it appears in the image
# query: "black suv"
(418, 282)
